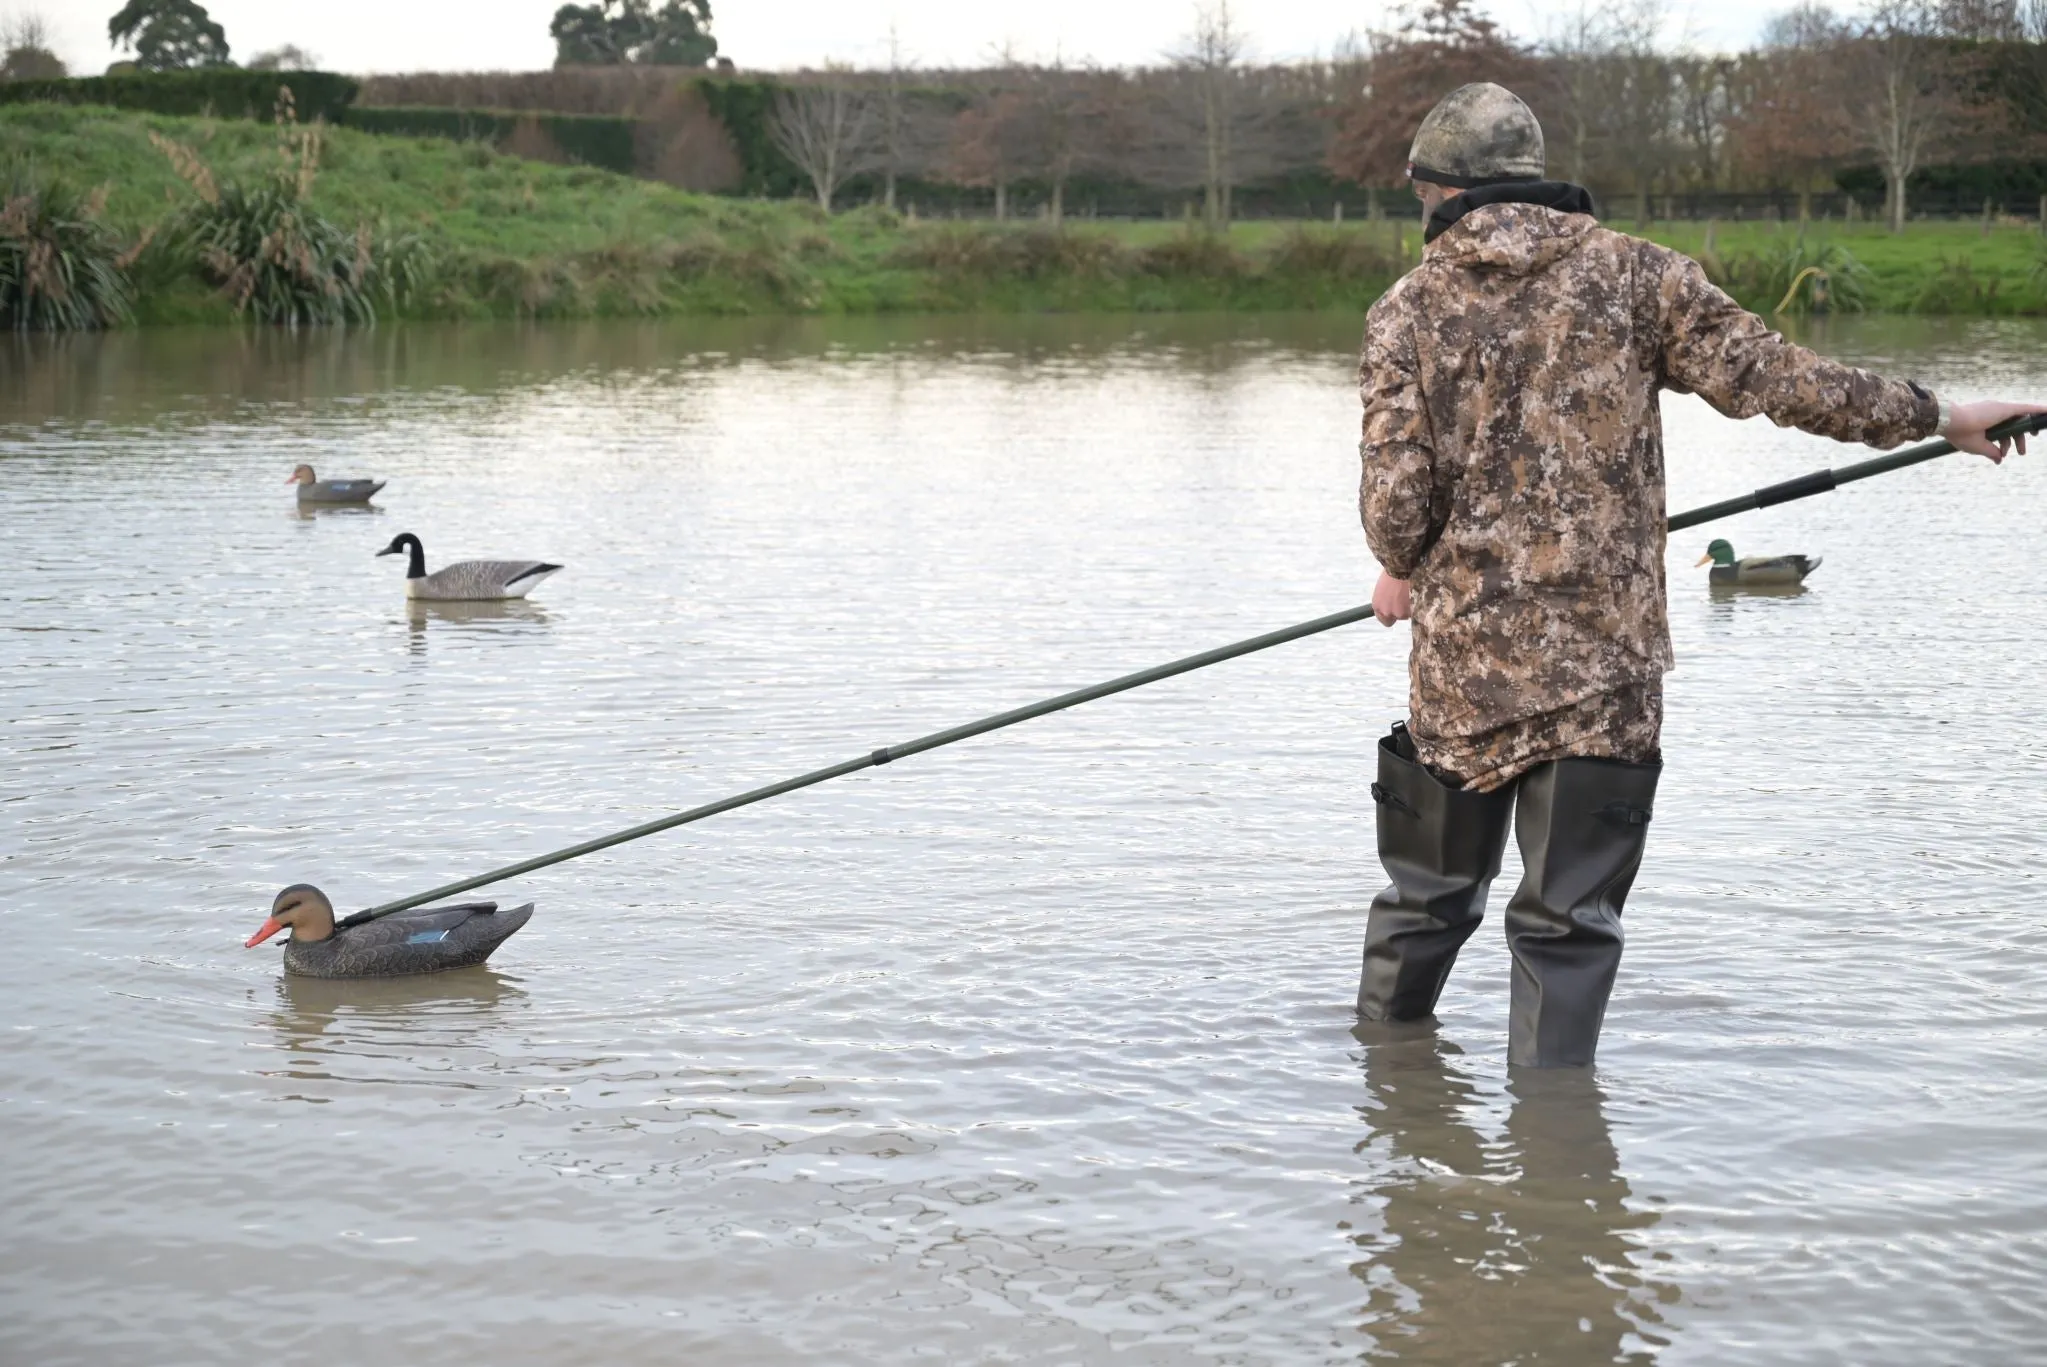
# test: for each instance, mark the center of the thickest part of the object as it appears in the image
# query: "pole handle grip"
(1818, 482)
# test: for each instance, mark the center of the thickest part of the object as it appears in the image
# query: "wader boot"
(1441, 847)
(1582, 824)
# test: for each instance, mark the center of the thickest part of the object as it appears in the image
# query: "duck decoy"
(466, 580)
(1757, 571)
(423, 940)
(313, 489)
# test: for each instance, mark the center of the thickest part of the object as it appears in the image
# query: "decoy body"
(1757, 571)
(467, 580)
(423, 940)
(313, 489)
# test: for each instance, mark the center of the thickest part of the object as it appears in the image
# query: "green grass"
(509, 237)
(1929, 268)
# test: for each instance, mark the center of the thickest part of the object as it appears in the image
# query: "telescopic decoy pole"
(1818, 482)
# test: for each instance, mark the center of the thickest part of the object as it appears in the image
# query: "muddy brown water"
(1036, 1049)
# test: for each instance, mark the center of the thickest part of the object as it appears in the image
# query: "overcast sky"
(483, 35)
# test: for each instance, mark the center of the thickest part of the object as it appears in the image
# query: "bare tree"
(892, 120)
(1807, 25)
(1982, 20)
(1073, 121)
(1700, 84)
(990, 140)
(828, 130)
(1783, 121)
(1574, 107)
(1210, 58)
(1641, 97)
(25, 51)
(1214, 121)
(1899, 91)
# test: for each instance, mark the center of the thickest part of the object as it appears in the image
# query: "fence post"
(2043, 213)
(1989, 215)
(1336, 214)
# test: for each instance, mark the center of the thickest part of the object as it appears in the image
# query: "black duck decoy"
(423, 940)
(313, 489)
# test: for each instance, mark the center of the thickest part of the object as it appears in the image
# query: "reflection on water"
(1036, 1048)
(518, 616)
(138, 375)
(1521, 1248)
(313, 512)
(1722, 591)
(311, 1015)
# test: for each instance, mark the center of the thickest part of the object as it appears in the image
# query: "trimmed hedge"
(745, 107)
(227, 92)
(1956, 188)
(599, 140)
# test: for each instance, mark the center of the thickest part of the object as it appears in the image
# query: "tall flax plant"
(60, 267)
(1794, 277)
(264, 246)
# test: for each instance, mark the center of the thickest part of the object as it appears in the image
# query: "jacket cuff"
(1934, 412)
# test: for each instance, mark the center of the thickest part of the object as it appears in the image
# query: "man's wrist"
(1947, 416)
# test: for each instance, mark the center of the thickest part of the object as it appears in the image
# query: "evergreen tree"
(168, 35)
(613, 32)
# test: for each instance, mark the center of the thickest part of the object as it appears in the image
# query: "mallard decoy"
(1758, 571)
(423, 940)
(467, 580)
(313, 489)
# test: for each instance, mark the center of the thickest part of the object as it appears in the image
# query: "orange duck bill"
(271, 925)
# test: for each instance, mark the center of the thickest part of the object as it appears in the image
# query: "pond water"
(1035, 1049)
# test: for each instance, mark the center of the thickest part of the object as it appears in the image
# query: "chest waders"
(1582, 825)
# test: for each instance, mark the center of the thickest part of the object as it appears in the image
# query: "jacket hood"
(1518, 236)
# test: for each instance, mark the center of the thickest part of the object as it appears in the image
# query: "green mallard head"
(1719, 553)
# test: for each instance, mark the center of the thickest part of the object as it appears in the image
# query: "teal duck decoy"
(466, 581)
(313, 489)
(423, 940)
(1757, 571)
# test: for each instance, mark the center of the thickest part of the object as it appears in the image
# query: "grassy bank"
(483, 235)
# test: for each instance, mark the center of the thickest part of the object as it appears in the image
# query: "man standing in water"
(1513, 493)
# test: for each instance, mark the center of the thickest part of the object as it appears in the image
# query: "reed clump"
(1315, 253)
(1957, 288)
(701, 274)
(61, 267)
(981, 254)
(1194, 255)
(277, 259)
(1797, 277)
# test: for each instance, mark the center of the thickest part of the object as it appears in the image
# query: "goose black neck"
(415, 568)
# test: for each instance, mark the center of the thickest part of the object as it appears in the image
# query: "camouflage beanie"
(1477, 135)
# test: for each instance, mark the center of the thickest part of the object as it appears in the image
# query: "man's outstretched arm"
(1729, 357)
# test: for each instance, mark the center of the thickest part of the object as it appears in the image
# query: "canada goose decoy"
(423, 940)
(313, 489)
(1759, 571)
(466, 581)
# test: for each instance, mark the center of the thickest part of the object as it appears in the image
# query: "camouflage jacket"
(1513, 450)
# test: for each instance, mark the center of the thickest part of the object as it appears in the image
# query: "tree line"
(1825, 101)
(1899, 87)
